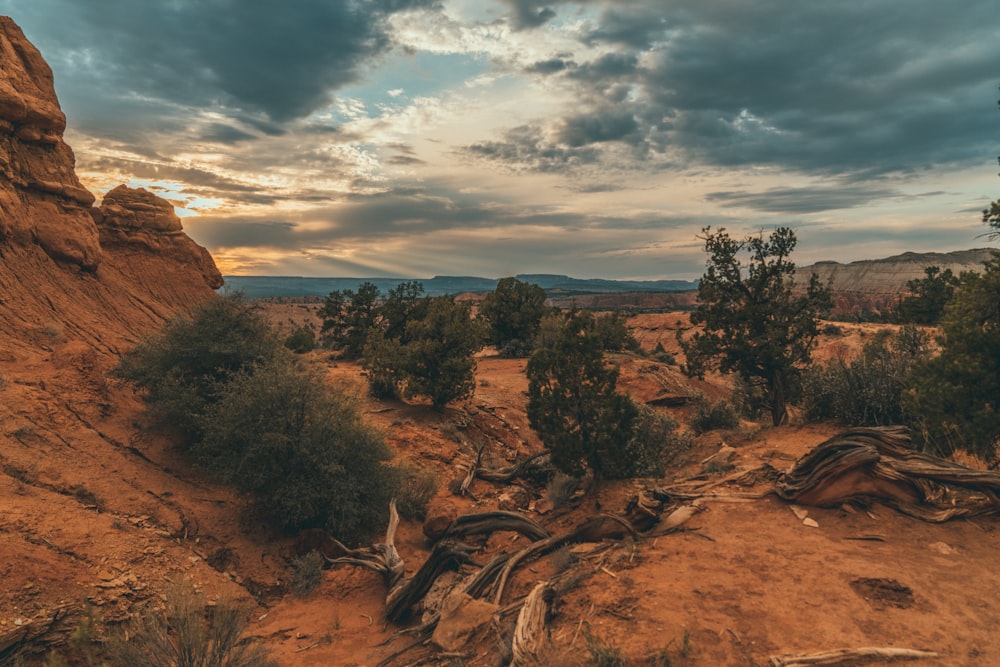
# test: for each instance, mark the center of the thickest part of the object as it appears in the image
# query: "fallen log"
(486, 523)
(841, 656)
(863, 464)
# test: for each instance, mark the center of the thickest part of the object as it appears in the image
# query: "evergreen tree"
(513, 312)
(754, 321)
(956, 395)
(572, 402)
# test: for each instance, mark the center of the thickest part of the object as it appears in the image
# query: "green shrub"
(867, 391)
(416, 487)
(655, 443)
(302, 340)
(307, 573)
(184, 368)
(955, 396)
(709, 416)
(299, 448)
(253, 416)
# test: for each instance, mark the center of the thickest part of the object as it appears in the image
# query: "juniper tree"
(755, 323)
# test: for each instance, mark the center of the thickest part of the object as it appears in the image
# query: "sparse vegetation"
(188, 632)
(866, 391)
(654, 444)
(299, 448)
(301, 340)
(572, 402)
(513, 313)
(714, 415)
(928, 297)
(754, 324)
(183, 369)
(307, 573)
(603, 654)
(255, 417)
(416, 488)
(955, 396)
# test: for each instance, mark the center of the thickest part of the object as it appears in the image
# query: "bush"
(300, 449)
(184, 368)
(302, 340)
(710, 416)
(252, 415)
(433, 359)
(187, 632)
(307, 573)
(654, 444)
(513, 312)
(869, 390)
(416, 488)
(955, 396)
(612, 328)
(572, 402)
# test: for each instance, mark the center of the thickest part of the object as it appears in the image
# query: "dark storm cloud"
(855, 90)
(802, 200)
(524, 148)
(224, 134)
(550, 66)
(281, 60)
(529, 13)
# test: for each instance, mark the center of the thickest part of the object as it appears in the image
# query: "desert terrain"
(100, 517)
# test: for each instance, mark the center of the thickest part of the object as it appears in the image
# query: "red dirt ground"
(94, 511)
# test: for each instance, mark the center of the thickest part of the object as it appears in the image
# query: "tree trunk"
(779, 407)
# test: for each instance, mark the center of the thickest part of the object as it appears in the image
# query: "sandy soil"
(95, 512)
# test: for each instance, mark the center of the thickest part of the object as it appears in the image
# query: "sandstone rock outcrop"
(41, 198)
(138, 217)
(889, 276)
(106, 276)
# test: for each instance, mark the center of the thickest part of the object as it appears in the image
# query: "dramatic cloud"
(599, 136)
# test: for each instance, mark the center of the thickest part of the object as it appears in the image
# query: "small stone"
(810, 522)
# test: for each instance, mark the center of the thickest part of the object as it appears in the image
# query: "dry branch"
(840, 656)
(529, 633)
(486, 523)
(879, 464)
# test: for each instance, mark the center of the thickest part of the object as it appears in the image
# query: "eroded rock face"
(41, 198)
(138, 218)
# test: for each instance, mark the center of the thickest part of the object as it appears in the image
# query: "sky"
(593, 138)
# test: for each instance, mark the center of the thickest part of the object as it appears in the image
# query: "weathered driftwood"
(499, 475)
(487, 523)
(512, 472)
(529, 632)
(446, 555)
(383, 558)
(879, 464)
(841, 656)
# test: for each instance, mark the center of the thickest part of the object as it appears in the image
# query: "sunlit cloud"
(586, 137)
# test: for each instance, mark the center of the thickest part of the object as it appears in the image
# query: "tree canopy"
(754, 321)
(572, 402)
(956, 395)
(513, 312)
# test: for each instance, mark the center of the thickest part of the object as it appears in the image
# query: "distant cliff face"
(106, 275)
(889, 276)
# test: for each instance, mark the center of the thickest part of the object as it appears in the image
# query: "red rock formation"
(139, 218)
(105, 276)
(41, 199)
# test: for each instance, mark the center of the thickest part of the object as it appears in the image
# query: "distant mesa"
(257, 287)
